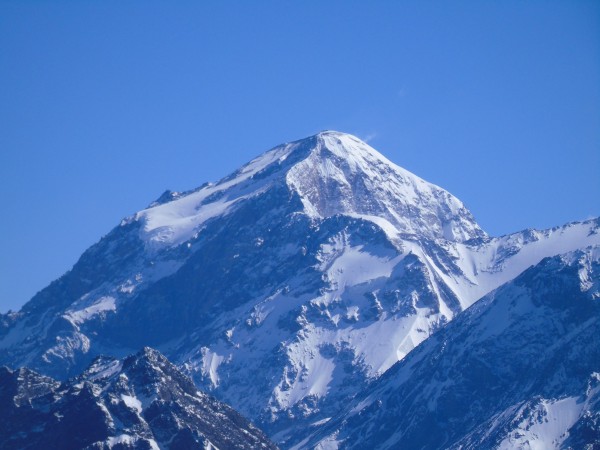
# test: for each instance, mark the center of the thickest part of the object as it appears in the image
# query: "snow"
(314, 374)
(108, 417)
(376, 344)
(339, 160)
(385, 342)
(210, 365)
(360, 156)
(122, 439)
(153, 444)
(501, 333)
(175, 222)
(320, 422)
(546, 428)
(132, 402)
(485, 268)
(105, 298)
(349, 266)
(128, 440)
(106, 371)
(178, 221)
(390, 230)
(344, 175)
(330, 443)
(67, 346)
(103, 304)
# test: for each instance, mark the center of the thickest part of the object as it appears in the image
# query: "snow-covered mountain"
(284, 288)
(520, 369)
(141, 402)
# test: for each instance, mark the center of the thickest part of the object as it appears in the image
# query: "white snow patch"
(132, 402)
(210, 446)
(122, 439)
(210, 365)
(103, 304)
(154, 445)
(320, 422)
(126, 439)
(177, 221)
(108, 371)
(547, 427)
(312, 380)
(355, 266)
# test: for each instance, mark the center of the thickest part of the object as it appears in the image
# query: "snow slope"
(519, 369)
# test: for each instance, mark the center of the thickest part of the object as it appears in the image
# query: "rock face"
(141, 402)
(519, 369)
(286, 287)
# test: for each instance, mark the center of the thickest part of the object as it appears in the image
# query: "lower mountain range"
(141, 402)
(333, 298)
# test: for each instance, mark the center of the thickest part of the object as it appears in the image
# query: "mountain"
(520, 369)
(141, 402)
(286, 287)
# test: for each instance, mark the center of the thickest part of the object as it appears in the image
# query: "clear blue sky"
(104, 104)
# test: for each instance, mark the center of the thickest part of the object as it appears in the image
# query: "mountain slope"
(519, 369)
(284, 288)
(141, 402)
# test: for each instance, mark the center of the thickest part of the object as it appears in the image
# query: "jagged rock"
(141, 402)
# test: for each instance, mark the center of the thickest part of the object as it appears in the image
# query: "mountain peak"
(331, 132)
(347, 146)
(331, 173)
(342, 174)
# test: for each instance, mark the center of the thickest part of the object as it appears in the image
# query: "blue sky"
(103, 105)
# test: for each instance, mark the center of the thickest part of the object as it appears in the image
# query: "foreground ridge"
(141, 402)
